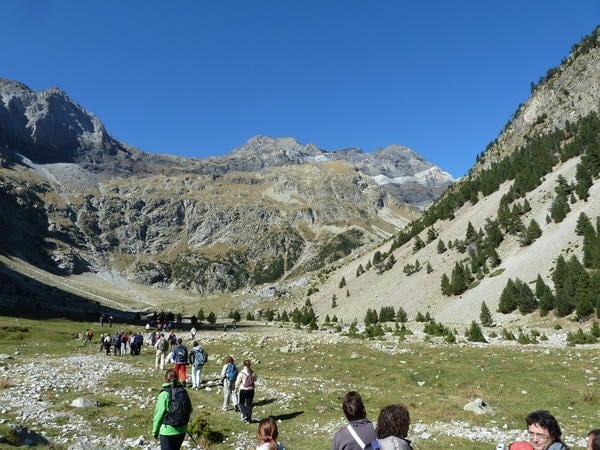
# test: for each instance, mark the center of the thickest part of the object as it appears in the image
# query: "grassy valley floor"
(302, 377)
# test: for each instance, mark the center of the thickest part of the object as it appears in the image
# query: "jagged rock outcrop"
(566, 93)
(392, 166)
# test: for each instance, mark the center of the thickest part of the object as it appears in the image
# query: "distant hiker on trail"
(245, 386)
(229, 375)
(106, 342)
(172, 339)
(89, 334)
(392, 429)
(193, 333)
(117, 344)
(124, 343)
(180, 359)
(172, 413)
(198, 358)
(267, 435)
(161, 347)
(137, 340)
(360, 431)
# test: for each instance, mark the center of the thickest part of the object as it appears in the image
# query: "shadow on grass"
(263, 402)
(288, 416)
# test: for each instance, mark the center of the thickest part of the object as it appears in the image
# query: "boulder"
(82, 402)
(478, 406)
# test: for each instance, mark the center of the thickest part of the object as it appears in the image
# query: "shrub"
(474, 333)
(201, 430)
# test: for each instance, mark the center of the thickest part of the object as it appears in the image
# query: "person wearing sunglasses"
(544, 431)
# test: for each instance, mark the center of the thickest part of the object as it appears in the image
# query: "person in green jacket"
(171, 437)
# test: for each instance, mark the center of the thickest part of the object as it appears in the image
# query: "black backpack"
(180, 406)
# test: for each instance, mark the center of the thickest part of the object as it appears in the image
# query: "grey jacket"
(394, 443)
(343, 440)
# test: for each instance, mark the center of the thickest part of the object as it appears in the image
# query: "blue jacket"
(180, 359)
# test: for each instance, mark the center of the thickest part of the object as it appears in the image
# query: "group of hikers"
(394, 420)
(390, 432)
(173, 406)
(121, 344)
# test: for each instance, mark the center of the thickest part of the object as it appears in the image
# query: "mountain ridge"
(300, 229)
(48, 127)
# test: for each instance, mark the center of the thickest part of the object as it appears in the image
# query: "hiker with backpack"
(198, 358)
(106, 343)
(229, 375)
(161, 347)
(89, 334)
(180, 359)
(172, 413)
(245, 385)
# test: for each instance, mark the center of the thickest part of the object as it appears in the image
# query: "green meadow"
(303, 389)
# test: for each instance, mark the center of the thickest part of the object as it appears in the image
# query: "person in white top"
(245, 386)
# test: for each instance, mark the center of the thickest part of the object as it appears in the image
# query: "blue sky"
(199, 78)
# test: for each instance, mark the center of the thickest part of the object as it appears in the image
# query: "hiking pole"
(193, 440)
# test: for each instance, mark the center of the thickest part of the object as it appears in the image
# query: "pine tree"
(507, 303)
(530, 234)
(493, 234)
(418, 244)
(360, 270)
(485, 316)
(493, 257)
(546, 301)
(560, 208)
(474, 333)
(370, 317)
(333, 301)
(526, 301)
(591, 248)
(459, 279)
(342, 283)
(470, 235)
(377, 257)
(401, 315)
(431, 235)
(584, 225)
(446, 286)
(584, 182)
(441, 247)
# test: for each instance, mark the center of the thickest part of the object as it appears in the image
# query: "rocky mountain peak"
(49, 127)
